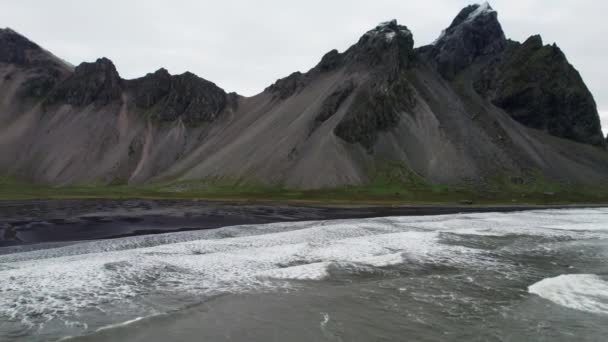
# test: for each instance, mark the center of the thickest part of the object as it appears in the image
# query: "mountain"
(468, 109)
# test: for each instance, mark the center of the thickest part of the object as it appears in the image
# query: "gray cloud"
(244, 45)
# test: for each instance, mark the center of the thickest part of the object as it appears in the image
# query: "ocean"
(534, 275)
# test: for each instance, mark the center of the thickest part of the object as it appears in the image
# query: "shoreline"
(28, 222)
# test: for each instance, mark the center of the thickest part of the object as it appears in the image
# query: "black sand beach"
(59, 221)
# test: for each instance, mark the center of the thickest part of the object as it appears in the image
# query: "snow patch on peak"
(388, 30)
(483, 9)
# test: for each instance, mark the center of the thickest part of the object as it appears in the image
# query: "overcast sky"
(245, 45)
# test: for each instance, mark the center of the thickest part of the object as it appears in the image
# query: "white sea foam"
(585, 292)
(315, 271)
(122, 324)
(325, 320)
(45, 284)
(43, 287)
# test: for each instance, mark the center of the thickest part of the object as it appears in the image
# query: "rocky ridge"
(469, 108)
(165, 97)
(532, 82)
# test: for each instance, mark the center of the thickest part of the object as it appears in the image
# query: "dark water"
(54, 223)
(533, 276)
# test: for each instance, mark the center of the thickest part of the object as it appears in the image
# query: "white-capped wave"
(45, 284)
(46, 287)
(122, 324)
(315, 271)
(586, 292)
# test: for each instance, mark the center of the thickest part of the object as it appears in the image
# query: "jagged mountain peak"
(187, 96)
(474, 21)
(7, 30)
(162, 71)
(9, 33)
(535, 40)
(470, 106)
(472, 13)
(388, 31)
(91, 83)
(102, 64)
(17, 49)
(384, 36)
(474, 33)
(388, 47)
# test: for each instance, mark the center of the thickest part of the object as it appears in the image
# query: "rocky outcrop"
(387, 53)
(288, 86)
(45, 70)
(375, 108)
(332, 103)
(387, 48)
(471, 109)
(164, 97)
(540, 89)
(384, 54)
(187, 97)
(150, 89)
(18, 50)
(330, 61)
(474, 34)
(96, 83)
(534, 83)
(41, 83)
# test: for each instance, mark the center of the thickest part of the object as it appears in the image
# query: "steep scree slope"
(467, 109)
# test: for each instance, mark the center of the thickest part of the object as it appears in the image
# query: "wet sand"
(61, 221)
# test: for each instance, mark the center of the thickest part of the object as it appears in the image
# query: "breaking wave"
(585, 292)
(62, 283)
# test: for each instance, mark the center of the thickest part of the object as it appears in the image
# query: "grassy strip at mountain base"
(380, 191)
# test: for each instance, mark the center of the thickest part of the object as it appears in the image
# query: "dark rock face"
(331, 105)
(474, 33)
(288, 86)
(532, 82)
(184, 96)
(386, 49)
(331, 61)
(535, 84)
(376, 107)
(95, 83)
(164, 96)
(150, 89)
(40, 85)
(46, 71)
(388, 52)
(16, 49)
(389, 46)
(385, 53)
(540, 89)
